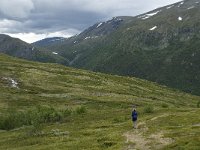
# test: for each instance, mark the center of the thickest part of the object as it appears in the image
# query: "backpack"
(134, 115)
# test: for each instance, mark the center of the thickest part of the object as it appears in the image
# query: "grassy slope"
(168, 55)
(108, 101)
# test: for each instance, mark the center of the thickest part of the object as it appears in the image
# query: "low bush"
(148, 109)
(80, 110)
(35, 117)
(13, 120)
(198, 104)
(48, 114)
(67, 112)
(164, 105)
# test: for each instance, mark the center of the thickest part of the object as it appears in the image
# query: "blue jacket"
(134, 115)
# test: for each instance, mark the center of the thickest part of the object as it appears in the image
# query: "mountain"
(161, 45)
(16, 47)
(50, 106)
(49, 41)
(95, 31)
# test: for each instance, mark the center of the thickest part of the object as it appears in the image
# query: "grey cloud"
(16, 8)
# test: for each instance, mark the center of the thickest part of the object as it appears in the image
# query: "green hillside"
(161, 45)
(18, 48)
(49, 106)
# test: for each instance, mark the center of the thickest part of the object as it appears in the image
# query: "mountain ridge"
(18, 48)
(48, 41)
(160, 45)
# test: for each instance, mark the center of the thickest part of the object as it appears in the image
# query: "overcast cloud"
(32, 20)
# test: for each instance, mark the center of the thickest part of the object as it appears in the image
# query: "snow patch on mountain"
(33, 48)
(114, 19)
(190, 7)
(170, 6)
(99, 25)
(180, 18)
(91, 37)
(180, 4)
(57, 39)
(119, 19)
(55, 53)
(153, 28)
(146, 16)
(88, 37)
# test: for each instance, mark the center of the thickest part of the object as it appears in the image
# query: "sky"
(32, 20)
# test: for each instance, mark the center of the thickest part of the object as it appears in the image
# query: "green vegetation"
(56, 107)
(168, 55)
(18, 48)
(38, 115)
(80, 110)
(148, 109)
(164, 105)
(198, 104)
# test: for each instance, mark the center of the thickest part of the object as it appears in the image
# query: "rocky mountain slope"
(161, 45)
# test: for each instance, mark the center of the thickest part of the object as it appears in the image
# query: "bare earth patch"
(136, 140)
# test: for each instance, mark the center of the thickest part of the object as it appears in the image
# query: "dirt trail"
(137, 141)
(163, 115)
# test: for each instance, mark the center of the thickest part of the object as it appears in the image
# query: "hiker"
(134, 117)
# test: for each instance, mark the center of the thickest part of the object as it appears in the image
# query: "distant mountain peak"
(18, 48)
(47, 41)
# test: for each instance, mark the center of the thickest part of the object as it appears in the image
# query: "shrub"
(80, 110)
(164, 105)
(148, 109)
(67, 112)
(198, 104)
(8, 122)
(48, 114)
(13, 120)
(35, 117)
